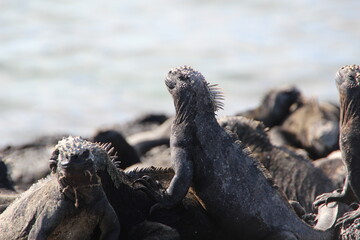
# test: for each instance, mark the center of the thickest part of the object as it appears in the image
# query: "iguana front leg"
(179, 184)
(182, 179)
(109, 224)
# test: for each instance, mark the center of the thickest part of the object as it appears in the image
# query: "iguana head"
(348, 81)
(79, 159)
(90, 159)
(348, 77)
(73, 162)
(191, 92)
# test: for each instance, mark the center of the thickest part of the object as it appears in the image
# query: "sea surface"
(73, 66)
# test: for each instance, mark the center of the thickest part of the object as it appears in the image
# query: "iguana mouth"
(349, 76)
(169, 83)
(77, 165)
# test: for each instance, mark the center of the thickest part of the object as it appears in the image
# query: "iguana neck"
(350, 127)
(184, 106)
(349, 111)
(350, 138)
(189, 107)
(117, 176)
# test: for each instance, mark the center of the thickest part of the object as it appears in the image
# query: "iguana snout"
(348, 77)
(76, 162)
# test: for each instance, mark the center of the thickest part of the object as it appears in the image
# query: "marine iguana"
(232, 186)
(348, 84)
(68, 204)
(275, 106)
(295, 175)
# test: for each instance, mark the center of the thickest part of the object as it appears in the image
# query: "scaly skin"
(348, 84)
(230, 184)
(69, 204)
(295, 175)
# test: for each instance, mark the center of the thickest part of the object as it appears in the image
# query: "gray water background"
(72, 66)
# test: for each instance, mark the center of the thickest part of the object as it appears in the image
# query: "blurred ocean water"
(72, 66)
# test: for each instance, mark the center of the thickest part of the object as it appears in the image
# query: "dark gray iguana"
(295, 175)
(231, 185)
(348, 84)
(68, 204)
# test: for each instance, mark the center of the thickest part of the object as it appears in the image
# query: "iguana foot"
(151, 187)
(155, 191)
(337, 195)
(348, 218)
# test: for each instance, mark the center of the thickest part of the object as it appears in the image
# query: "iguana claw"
(326, 198)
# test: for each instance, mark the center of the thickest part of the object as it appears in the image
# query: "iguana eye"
(55, 155)
(53, 160)
(85, 154)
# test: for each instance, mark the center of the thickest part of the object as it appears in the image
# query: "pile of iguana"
(131, 205)
(235, 189)
(217, 188)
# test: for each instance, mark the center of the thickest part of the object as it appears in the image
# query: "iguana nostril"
(170, 84)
